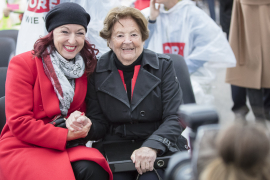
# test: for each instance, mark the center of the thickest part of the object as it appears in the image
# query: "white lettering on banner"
(32, 5)
(51, 3)
(175, 50)
(167, 48)
(42, 3)
(41, 6)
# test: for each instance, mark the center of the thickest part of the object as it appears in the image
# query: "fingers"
(147, 167)
(151, 165)
(138, 167)
(133, 156)
(144, 159)
(152, 3)
(76, 121)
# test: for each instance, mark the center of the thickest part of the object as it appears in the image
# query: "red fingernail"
(82, 114)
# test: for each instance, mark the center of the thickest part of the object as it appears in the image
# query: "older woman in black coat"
(134, 93)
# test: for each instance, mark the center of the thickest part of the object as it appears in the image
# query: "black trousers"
(239, 100)
(132, 175)
(89, 170)
(260, 102)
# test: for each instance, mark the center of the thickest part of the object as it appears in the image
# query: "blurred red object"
(142, 4)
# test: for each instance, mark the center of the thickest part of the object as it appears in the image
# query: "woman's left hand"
(76, 121)
(144, 159)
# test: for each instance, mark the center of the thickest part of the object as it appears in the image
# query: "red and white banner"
(174, 48)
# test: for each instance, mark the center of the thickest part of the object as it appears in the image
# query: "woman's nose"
(72, 39)
(127, 40)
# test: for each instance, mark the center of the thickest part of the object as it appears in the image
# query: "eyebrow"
(68, 28)
(135, 30)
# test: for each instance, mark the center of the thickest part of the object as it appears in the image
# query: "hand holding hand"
(79, 134)
(78, 125)
(144, 159)
(76, 121)
(154, 12)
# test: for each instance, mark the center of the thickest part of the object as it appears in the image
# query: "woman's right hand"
(78, 134)
(154, 12)
(78, 125)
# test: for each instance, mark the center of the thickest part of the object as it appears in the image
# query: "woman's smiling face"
(126, 40)
(69, 39)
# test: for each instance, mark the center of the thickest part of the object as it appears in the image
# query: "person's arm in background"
(152, 13)
(194, 65)
(207, 42)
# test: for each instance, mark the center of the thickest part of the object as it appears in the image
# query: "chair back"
(2, 113)
(11, 33)
(183, 76)
(3, 74)
(7, 50)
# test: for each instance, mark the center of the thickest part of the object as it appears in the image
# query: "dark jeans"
(151, 175)
(239, 100)
(88, 170)
(259, 100)
(211, 5)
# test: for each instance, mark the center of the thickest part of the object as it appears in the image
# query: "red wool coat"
(30, 148)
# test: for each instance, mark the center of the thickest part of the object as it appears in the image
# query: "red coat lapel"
(48, 96)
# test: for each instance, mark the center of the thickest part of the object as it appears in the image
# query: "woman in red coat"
(41, 85)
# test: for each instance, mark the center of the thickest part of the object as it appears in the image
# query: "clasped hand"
(78, 125)
(144, 159)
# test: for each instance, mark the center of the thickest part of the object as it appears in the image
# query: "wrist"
(156, 150)
(151, 20)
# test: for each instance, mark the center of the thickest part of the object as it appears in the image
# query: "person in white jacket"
(179, 27)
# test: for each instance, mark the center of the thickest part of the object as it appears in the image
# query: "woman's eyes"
(66, 32)
(134, 35)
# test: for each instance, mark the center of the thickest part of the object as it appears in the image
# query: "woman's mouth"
(128, 49)
(70, 48)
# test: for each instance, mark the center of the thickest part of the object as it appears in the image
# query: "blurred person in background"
(43, 84)
(250, 42)
(211, 6)
(242, 154)
(180, 27)
(239, 94)
(6, 22)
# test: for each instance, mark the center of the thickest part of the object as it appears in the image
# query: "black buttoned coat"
(152, 113)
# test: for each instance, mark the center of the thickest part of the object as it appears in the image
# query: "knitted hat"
(66, 13)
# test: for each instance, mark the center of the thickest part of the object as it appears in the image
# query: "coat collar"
(106, 63)
(113, 84)
(50, 100)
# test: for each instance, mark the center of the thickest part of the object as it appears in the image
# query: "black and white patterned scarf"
(62, 74)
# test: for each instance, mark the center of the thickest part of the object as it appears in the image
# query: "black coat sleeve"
(100, 125)
(171, 100)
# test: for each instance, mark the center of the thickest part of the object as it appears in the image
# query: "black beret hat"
(66, 13)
